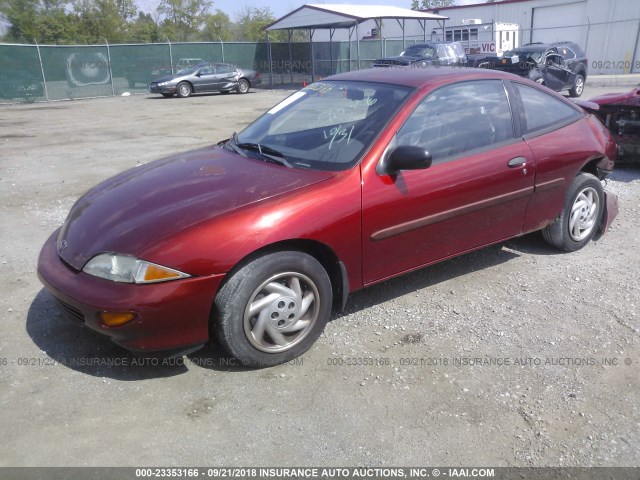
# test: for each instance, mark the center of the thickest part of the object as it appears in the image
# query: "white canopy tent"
(331, 17)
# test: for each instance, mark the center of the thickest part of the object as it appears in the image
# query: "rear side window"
(567, 53)
(541, 110)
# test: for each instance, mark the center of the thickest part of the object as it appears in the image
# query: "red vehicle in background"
(350, 181)
(620, 112)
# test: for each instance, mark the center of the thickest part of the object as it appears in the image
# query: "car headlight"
(163, 84)
(127, 269)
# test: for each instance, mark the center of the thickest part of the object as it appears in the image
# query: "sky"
(233, 8)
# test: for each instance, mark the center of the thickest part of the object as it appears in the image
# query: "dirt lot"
(390, 381)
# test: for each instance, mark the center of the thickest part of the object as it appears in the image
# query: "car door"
(555, 74)
(226, 76)
(474, 193)
(204, 80)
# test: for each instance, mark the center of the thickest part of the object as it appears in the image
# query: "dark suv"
(559, 65)
(427, 54)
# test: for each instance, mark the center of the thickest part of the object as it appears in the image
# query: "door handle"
(517, 162)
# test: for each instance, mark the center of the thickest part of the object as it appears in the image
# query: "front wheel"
(184, 90)
(578, 87)
(273, 309)
(581, 215)
(243, 86)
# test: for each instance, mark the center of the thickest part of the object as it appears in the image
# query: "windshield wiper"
(232, 143)
(267, 153)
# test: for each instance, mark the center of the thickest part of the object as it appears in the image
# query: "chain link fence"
(30, 73)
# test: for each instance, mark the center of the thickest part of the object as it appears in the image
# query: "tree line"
(61, 22)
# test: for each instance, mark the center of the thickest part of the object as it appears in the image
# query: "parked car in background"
(204, 78)
(620, 112)
(149, 71)
(427, 54)
(348, 182)
(559, 66)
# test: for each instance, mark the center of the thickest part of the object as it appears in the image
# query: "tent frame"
(350, 23)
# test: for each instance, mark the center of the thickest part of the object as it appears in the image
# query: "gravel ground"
(514, 355)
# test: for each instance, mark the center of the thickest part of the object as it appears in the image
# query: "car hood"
(169, 78)
(631, 98)
(131, 212)
(399, 60)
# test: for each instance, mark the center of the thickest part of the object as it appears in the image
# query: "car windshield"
(419, 51)
(326, 126)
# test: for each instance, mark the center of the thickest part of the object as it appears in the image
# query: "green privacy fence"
(41, 73)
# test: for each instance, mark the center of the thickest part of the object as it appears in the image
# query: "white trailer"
(479, 38)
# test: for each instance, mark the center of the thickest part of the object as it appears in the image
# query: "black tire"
(167, 95)
(585, 198)
(243, 86)
(184, 90)
(297, 314)
(578, 87)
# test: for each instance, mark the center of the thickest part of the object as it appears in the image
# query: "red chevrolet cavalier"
(350, 181)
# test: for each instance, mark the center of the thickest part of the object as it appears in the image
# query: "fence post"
(269, 59)
(221, 47)
(170, 55)
(113, 91)
(44, 79)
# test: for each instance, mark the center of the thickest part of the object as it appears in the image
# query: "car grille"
(153, 87)
(71, 312)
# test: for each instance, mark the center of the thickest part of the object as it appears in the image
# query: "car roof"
(419, 77)
(542, 45)
(430, 44)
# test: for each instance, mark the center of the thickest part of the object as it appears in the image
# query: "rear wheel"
(243, 86)
(578, 87)
(184, 90)
(580, 217)
(273, 309)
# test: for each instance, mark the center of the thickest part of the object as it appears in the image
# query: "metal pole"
(170, 55)
(44, 79)
(331, 32)
(269, 58)
(290, 35)
(221, 47)
(635, 50)
(350, 35)
(358, 45)
(113, 91)
(313, 59)
(379, 25)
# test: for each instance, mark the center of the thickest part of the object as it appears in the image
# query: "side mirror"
(407, 157)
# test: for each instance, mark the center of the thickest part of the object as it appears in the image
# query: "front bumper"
(155, 88)
(610, 211)
(169, 316)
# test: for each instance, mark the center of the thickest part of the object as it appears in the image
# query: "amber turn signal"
(116, 319)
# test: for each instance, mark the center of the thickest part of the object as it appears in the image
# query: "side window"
(459, 118)
(206, 71)
(541, 110)
(224, 68)
(567, 53)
